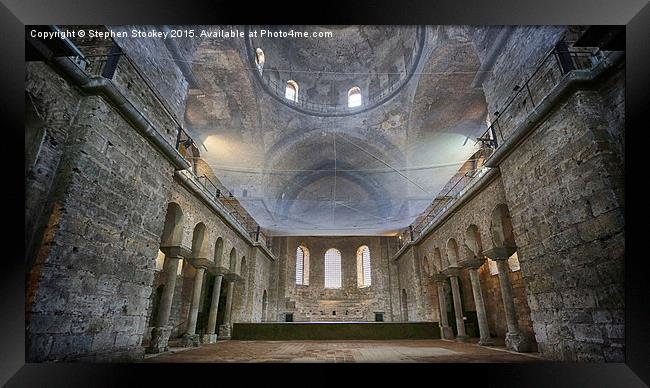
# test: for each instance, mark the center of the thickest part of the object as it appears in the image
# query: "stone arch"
(437, 259)
(426, 265)
(233, 260)
(242, 267)
(218, 251)
(405, 309)
(452, 251)
(265, 302)
(501, 227)
(200, 241)
(173, 229)
(473, 241)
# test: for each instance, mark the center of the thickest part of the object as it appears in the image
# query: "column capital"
(231, 277)
(200, 262)
(176, 251)
(452, 270)
(500, 253)
(471, 263)
(438, 277)
(218, 270)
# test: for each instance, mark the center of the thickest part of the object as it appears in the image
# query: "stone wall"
(477, 211)
(89, 286)
(314, 302)
(570, 222)
(101, 190)
(564, 186)
(54, 103)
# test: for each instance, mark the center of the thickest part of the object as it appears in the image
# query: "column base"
(190, 340)
(446, 332)
(209, 338)
(486, 342)
(224, 331)
(517, 342)
(462, 338)
(159, 340)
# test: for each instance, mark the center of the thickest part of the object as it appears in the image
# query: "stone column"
(515, 340)
(445, 329)
(224, 329)
(458, 308)
(481, 313)
(190, 338)
(211, 335)
(161, 332)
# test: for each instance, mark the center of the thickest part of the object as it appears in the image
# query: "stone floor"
(342, 351)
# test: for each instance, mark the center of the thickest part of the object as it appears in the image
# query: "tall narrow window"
(302, 266)
(332, 268)
(363, 266)
(259, 59)
(291, 92)
(354, 97)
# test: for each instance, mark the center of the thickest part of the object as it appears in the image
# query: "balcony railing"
(109, 62)
(525, 98)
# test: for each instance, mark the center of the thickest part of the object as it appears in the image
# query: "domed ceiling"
(369, 171)
(378, 60)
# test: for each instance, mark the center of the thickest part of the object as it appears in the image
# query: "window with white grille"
(354, 97)
(363, 266)
(302, 266)
(332, 268)
(291, 92)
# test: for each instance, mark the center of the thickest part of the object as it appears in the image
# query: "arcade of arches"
(456, 188)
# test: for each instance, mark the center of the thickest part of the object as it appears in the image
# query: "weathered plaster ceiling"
(370, 172)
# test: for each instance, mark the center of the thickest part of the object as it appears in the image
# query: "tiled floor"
(342, 351)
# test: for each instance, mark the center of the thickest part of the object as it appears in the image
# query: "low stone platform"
(342, 351)
(283, 331)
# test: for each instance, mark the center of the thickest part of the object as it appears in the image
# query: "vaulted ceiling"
(317, 167)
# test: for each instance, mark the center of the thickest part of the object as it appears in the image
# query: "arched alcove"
(173, 229)
(200, 241)
(218, 251)
(501, 227)
(473, 240)
(437, 259)
(233, 260)
(452, 251)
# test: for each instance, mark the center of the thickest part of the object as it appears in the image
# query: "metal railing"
(523, 100)
(119, 67)
(279, 89)
(525, 97)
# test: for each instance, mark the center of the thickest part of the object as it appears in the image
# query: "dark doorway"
(288, 317)
(221, 311)
(204, 309)
(379, 317)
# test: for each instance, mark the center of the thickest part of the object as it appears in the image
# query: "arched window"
(302, 266)
(363, 266)
(354, 97)
(259, 57)
(160, 260)
(291, 92)
(513, 262)
(332, 268)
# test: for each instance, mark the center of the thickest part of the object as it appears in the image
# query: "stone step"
(281, 331)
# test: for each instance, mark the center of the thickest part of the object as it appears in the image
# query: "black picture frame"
(15, 14)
